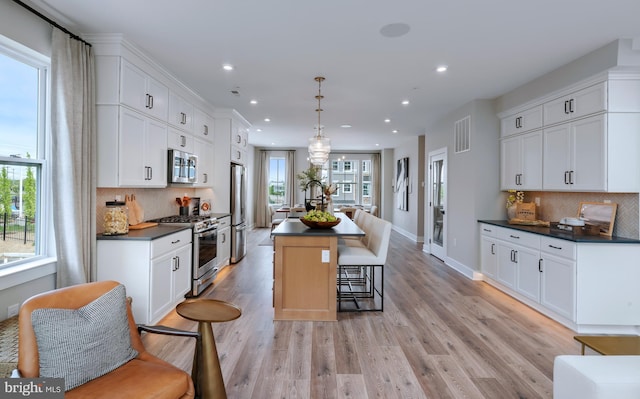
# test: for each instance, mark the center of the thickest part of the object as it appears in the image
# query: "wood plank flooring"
(441, 335)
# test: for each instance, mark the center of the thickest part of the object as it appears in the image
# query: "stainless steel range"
(205, 248)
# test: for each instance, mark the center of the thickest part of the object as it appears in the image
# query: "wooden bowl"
(319, 225)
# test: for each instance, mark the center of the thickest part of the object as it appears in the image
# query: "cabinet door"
(558, 285)
(522, 122)
(510, 162)
(132, 167)
(180, 112)
(557, 154)
(143, 93)
(179, 140)
(531, 172)
(202, 125)
(159, 102)
(506, 270)
(489, 256)
(224, 247)
(205, 153)
(576, 105)
(161, 294)
(181, 275)
(588, 146)
(528, 276)
(155, 154)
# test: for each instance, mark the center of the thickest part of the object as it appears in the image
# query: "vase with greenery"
(309, 179)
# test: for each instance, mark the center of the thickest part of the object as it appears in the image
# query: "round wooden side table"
(206, 372)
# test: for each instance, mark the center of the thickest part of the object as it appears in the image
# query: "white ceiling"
(279, 46)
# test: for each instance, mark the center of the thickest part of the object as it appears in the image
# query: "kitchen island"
(305, 267)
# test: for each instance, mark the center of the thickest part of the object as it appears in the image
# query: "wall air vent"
(462, 135)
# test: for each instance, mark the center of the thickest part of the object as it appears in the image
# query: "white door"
(437, 205)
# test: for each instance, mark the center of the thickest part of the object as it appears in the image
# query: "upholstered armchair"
(61, 330)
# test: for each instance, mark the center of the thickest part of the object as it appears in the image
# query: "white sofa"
(596, 377)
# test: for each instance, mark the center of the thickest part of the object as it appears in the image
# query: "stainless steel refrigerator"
(238, 212)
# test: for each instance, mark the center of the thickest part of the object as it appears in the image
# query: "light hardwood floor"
(441, 335)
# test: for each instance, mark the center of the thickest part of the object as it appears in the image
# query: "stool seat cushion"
(348, 255)
(596, 377)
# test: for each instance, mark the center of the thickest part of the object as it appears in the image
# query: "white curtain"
(291, 177)
(375, 181)
(263, 215)
(73, 160)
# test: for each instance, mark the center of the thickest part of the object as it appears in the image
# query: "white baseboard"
(405, 233)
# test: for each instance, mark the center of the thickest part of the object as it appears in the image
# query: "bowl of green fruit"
(319, 220)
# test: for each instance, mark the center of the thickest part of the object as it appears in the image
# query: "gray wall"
(410, 223)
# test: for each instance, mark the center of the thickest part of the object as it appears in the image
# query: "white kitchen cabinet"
(521, 122)
(239, 144)
(590, 287)
(575, 155)
(575, 105)
(156, 273)
(170, 280)
(143, 93)
(205, 152)
(489, 256)
(202, 125)
(180, 112)
(521, 162)
(180, 140)
(224, 241)
(142, 151)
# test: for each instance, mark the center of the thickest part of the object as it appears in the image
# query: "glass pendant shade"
(319, 149)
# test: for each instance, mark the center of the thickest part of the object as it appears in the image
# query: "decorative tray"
(319, 225)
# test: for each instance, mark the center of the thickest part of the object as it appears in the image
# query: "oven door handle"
(202, 281)
(207, 233)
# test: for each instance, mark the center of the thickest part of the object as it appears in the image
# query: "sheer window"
(277, 180)
(22, 155)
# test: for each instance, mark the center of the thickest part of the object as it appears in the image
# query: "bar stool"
(206, 372)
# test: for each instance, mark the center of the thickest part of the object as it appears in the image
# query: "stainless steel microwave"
(183, 167)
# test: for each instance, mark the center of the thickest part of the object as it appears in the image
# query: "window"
(352, 177)
(22, 155)
(277, 181)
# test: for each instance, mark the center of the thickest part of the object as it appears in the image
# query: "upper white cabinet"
(143, 93)
(521, 162)
(202, 125)
(205, 152)
(522, 122)
(239, 144)
(576, 105)
(180, 112)
(180, 140)
(590, 139)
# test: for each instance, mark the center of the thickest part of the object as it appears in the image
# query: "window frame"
(279, 158)
(44, 253)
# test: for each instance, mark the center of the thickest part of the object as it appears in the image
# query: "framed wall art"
(402, 184)
(600, 214)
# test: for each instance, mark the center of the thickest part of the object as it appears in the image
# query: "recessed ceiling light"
(405, 102)
(377, 144)
(227, 67)
(258, 130)
(387, 120)
(267, 120)
(442, 68)
(273, 143)
(394, 131)
(346, 126)
(253, 102)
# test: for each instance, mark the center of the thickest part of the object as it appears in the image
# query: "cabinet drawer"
(489, 230)
(170, 243)
(555, 246)
(224, 222)
(518, 237)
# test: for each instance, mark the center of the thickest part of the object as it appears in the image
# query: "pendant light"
(319, 145)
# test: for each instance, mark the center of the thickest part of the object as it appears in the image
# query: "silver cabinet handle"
(206, 130)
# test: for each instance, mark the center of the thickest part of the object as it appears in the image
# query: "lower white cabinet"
(224, 241)
(156, 273)
(589, 285)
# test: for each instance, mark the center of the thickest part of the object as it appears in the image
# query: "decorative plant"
(515, 197)
(313, 174)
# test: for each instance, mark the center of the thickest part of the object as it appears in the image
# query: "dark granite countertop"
(147, 234)
(294, 227)
(546, 231)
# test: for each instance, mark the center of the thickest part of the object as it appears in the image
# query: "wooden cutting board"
(142, 225)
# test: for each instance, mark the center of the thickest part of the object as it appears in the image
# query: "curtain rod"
(52, 22)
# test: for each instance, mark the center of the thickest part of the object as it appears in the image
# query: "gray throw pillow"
(82, 344)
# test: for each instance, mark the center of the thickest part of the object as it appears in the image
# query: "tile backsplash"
(156, 202)
(556, 205)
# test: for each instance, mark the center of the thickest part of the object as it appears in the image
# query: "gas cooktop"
(198, 222)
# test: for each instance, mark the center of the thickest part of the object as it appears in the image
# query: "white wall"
(472, 179)
(410, 223)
